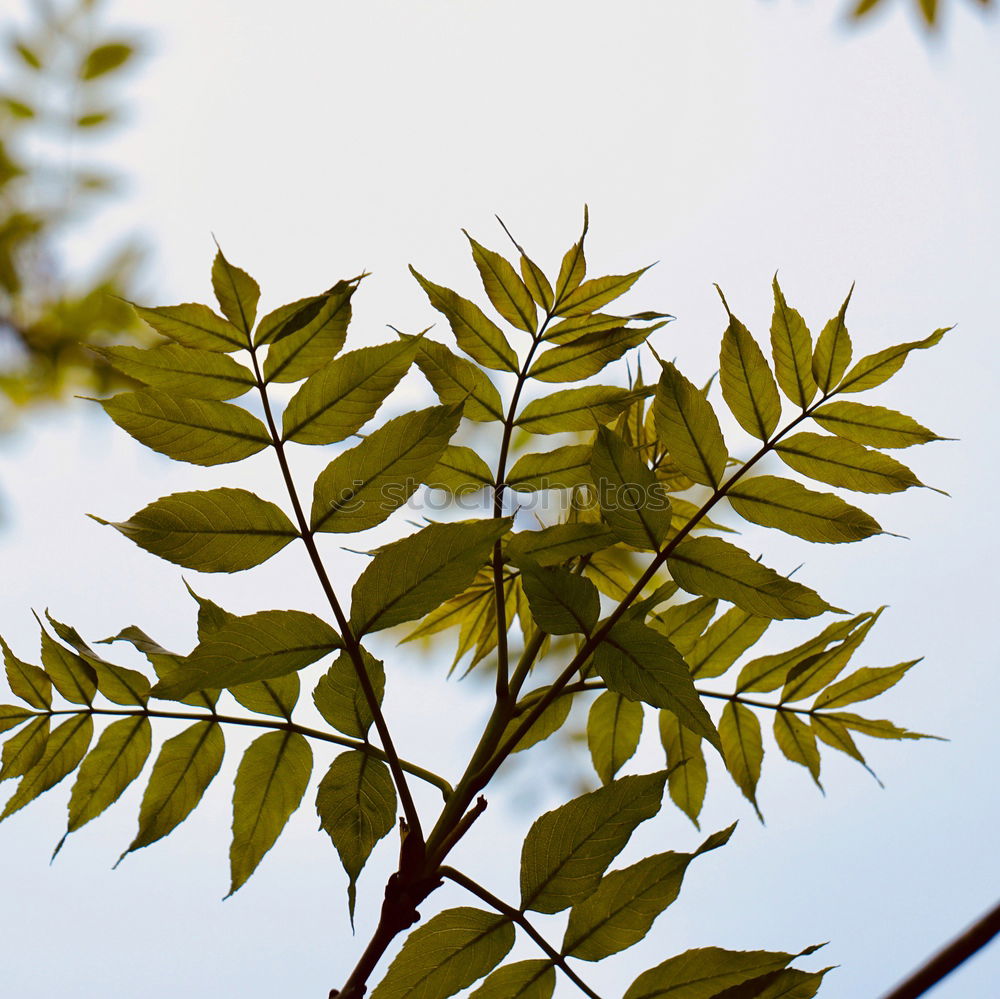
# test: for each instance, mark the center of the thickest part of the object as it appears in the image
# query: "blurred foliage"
(60, 72)
(930, 11)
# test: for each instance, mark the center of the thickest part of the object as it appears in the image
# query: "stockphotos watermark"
(542, 495)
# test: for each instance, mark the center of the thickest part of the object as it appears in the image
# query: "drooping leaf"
(561, 602)
(277, 696)
(742, 748)
(862, 685)
(874, 426)
(688, 775)
(579, 409)
(218, 530)
(561, 468)
(791, 347)
(200, 431)
(568, 849)
(25, 748)
(797, 742)
(185, 767)
(642, 665)
(723, 642)
(747, 383)
(626, 903)
(256, 647)
(297, 351)
(236, 292)
(879, 367)
(834, 733)
(712, 567)
(340, 398)
(833, 350)
(588, 354)
(633, 503)
(522, 980)
(843, 463)
(875, 728)
(477, 336)
(687, 425)
(356, 803)
(559, 543)
(790, 507)
(70, 673)
(193, 325)
(339, 696)
(270, 783)
(410, 577)
(448, 953)
(181, 371)
(363, 486)
(589, 296)
(456, 380)
(460, 470)
(614, 726)
(26, 680)
(507, 292)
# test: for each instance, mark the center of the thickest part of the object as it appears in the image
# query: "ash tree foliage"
(633, 603)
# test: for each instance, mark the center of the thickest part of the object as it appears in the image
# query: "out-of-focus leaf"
(105, 58)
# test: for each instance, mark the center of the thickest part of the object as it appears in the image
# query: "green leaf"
(477, 335)
(879, 367)
(790, 507)
(704, 973)
(724, 642)
(447, 954)
(193, 325)
(579, 409)
(833, 732)
(356, 803)
(594, 294)
(363, 486)
(340, 699)
(573, 267)
(572, 329)
(181, 371)
(182, 772)
(874, 426)
(522, 980)
(218, 530)
(559, 543)
(788, 984)
(309, 337)
(110, 767)
(862, 685)
(276, 697)
(687, 425)
(64, 749)
(714, 568)
(24, 749)
(236, 292)
(104, 59)
(27, 681)
(843, 463)
(588, 354)
(270, 783)
(560, 468)
(633, 503)
(507, 292)
(875, 728)
(684, 623)
(622, 910)
(747, 383)
(833, 350)
(561, 602)
(410, 577)
(195, 430)
(568, 849)
(13, 715)
(546, 724)
(460, 470)
(791, 347)
(742, 749)
(641, 664)
(614, 726)
(456, 380)
(339, 399)
(797, 742)
(259, 646)
(536, 282)
(72, 675)
(688, 775)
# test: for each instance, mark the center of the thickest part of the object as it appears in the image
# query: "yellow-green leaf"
(561, 602)
(862, 685)
(536, 282)
(27, 681)
(13, 715)
(874, 426)
(236, 292)
(193, 325)
(878, 367)
(521, 980)
(591, 295)
(559, 543)
(614, 726)
(843, 463)
(797, 742)
(742, 748)
(461, 471)
(277, 696)
(791, 347)
(688, 777)
(547, 723)
(456, 380)
(724, 642)
(579, 409)
(71, 674)
(105, 58)
(339, 696)
(588, 354)
(833, 350)
(573, 268)
(507, 292)
(561, 468)
(747, 383)
(24, 749)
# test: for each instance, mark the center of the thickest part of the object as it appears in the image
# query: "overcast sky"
(725, 141)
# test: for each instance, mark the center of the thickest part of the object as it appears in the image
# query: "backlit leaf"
(185, 767)
(614, 726)
(449, 952)
(277, 696)
(200, 431)
(25, 748)
(833, 350)
(460, 470)
(339, 696)
(875, 728)
(105, 58)
(688, 775)
(193, 325)
(568, 849)
(456, 380)
(218, 530)
(843, 463)
(27, 681)
(236, 292)
(747, 383)
(882, 365)
(791, 507)
(547, 723)
(408, 578)
(72, 675)
(791, 347)
(559, 543)
(536, 282)
(12, 715)
(688, 426)
(522, 980)
(573, 268)
(797, 742)
(594, 294)
(724, 642)
(363, 486)
(356, 803)
(270, 783)
(862, 685)
(684, 623)
(714, 568)
(742, 748)
(505, 289)
(561, 602)
(561, 468)
(588, 354)
(874, 426)
(340, 398)
(833, 732)
(579, 409)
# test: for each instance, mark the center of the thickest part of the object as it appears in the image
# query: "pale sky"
(724, 140)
